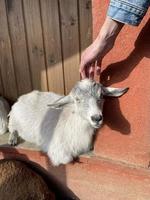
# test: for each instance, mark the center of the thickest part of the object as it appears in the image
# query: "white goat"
(64, 129)
(4, 110)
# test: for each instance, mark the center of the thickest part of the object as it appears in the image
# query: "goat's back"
(37, 98)
(20, 182)
(31, 117)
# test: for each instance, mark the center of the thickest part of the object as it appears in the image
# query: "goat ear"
(114, 92)
(58, 104)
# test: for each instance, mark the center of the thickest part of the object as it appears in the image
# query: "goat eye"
(99, 101)
(101, 97)
(94, 84)
(77, 99)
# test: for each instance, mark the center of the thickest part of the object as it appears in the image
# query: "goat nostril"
(96, 118)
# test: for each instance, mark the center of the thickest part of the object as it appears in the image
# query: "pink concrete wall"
(126, 134)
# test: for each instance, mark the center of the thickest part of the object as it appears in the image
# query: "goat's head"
(88, 98)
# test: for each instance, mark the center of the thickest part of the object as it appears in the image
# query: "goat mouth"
(97, 125)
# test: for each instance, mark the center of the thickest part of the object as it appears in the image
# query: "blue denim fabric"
(128, 11)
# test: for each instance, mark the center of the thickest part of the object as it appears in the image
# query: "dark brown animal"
(18, 182)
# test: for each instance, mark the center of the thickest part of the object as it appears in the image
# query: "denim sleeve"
(128, 11)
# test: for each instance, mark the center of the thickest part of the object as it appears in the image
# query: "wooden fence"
(40, 44)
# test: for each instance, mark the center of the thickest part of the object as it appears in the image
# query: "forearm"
(108, 35)
(110, 28)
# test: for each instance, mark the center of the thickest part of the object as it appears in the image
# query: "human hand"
(91, 58)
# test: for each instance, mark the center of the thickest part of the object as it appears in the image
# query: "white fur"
(4, 110)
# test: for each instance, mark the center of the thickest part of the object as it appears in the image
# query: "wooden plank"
(85, 21)
(51, 30)
(6, 61)
(17, 33)
(70, 41)
(35, 44)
